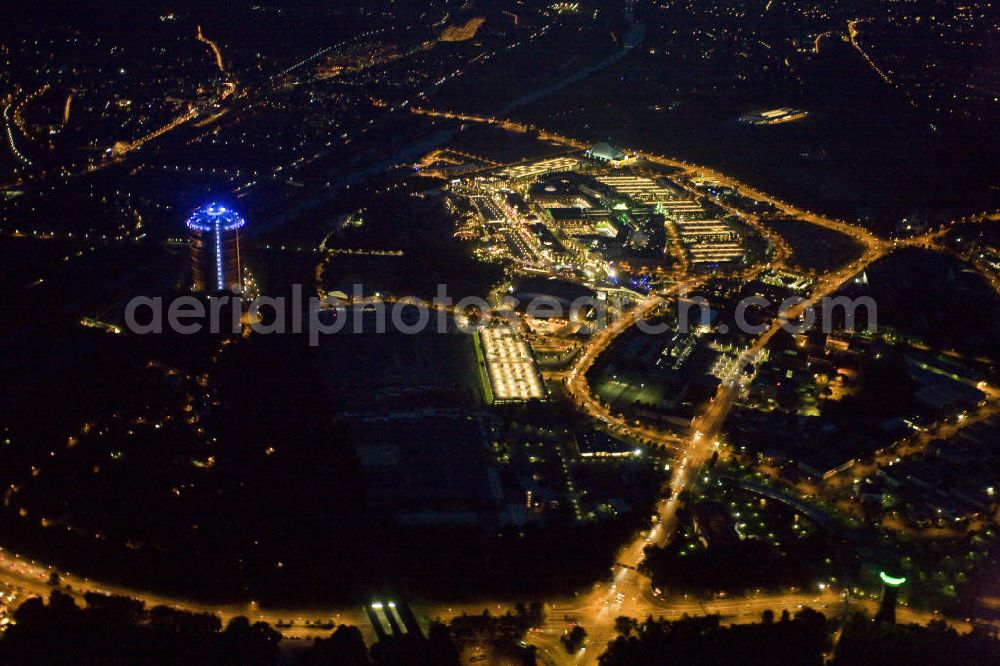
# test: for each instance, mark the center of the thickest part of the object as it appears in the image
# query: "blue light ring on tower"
(215, 218)
(215, 246)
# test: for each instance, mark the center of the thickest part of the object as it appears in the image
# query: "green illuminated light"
(891, 580)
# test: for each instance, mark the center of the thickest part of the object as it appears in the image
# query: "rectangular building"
(510, 366)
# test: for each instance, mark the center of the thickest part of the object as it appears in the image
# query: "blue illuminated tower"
(214, 235)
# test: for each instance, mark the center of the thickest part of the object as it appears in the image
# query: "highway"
(595, 610)
(216, 53)
(629, 593)
(579, 391)
(852, 38)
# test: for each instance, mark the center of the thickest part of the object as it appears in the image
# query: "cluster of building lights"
(540, 167)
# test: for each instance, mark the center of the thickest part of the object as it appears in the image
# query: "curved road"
(629, 592)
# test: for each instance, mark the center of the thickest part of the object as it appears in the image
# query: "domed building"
(605, 152)
(552, 305)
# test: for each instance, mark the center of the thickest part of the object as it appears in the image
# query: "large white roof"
(606, 152)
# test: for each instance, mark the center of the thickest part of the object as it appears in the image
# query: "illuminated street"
(581, 332)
